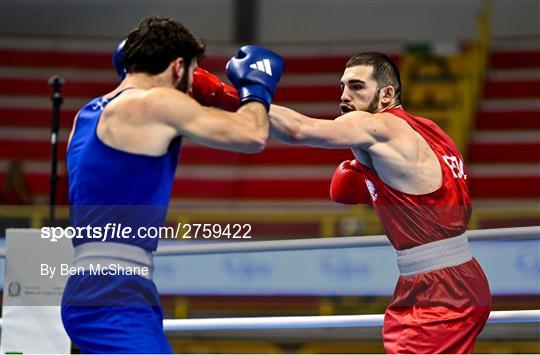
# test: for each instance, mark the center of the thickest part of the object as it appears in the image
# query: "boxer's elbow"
(298, 134)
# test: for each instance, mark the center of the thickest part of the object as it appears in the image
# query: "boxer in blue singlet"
(121, 162)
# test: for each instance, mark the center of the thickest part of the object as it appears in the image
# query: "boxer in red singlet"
(413, 175)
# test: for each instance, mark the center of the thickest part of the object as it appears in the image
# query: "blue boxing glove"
(255, 72)
(118, 60)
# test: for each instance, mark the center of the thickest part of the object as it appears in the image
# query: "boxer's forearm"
(254, 117)
(285, 124)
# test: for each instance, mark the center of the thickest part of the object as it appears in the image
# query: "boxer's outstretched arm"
(245, 130)
(357, 128)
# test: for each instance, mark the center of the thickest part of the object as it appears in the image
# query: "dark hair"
(156, 42)
(385, 71)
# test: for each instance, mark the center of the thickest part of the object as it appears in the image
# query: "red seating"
(506, 59)
(512, 88)
(512, 152)
(506, 114)
(508, 120)
(286, 187)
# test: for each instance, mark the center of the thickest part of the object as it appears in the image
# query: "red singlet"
(439, 311)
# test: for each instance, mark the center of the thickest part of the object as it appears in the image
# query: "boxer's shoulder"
(139, 104)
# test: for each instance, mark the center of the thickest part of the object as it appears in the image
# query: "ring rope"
(329, 243)
(309, 322)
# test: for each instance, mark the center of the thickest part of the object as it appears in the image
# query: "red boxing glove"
(209, 90)
(348, 184)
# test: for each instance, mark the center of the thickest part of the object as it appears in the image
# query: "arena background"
(472, 66)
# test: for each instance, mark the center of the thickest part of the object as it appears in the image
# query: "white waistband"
(433, 256)
(98, 255)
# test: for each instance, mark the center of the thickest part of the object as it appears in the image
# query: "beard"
(373, 106)
(183, 83)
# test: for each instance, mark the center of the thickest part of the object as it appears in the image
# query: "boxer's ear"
(178, 67)
(387, 95)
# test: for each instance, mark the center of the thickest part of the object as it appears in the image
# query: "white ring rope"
(310, 322)
(207, 247)
(307, 322)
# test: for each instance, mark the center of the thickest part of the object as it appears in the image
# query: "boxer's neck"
(146, 81)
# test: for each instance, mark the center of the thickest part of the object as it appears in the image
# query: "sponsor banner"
(512, 268)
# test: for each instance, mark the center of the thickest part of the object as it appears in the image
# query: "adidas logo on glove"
(262, 65)
(244, 72)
